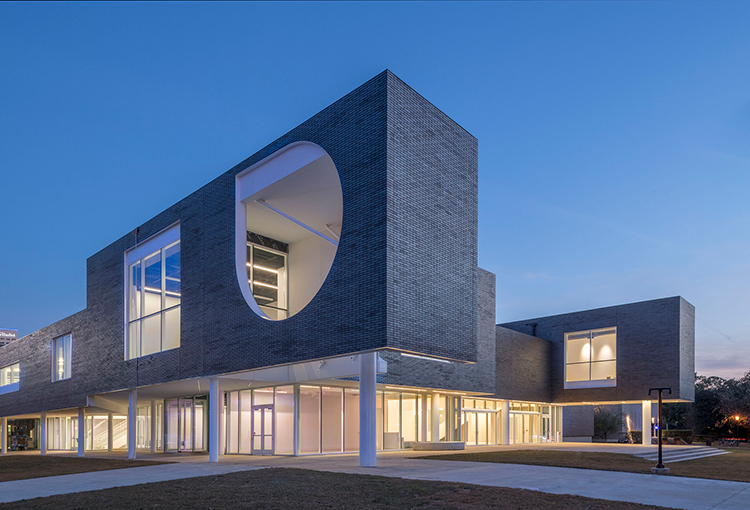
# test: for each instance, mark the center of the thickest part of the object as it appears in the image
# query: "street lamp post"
(737, 428)
(660, 469)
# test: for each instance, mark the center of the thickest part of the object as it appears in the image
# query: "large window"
(288, 219)
(266, 273)
(10, 374)
(61, 357)
(154, 296)
(591, 358)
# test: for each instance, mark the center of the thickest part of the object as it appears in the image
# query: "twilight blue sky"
(614, 137)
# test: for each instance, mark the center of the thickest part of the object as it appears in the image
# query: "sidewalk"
(675, 492)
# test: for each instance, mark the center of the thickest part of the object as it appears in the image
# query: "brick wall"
(404, 276)
(655, 347)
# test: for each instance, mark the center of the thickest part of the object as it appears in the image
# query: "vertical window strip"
(138, 346)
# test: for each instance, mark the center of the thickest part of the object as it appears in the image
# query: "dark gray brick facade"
(479, 376)
(404, 277)
(578, 422)
(432, 217)
(655, 347)
(523, 366)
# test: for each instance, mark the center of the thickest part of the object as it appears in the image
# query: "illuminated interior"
(154, 295)
(591, 358)
(290, 209)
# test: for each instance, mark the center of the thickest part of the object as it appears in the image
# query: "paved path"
(672, 491)
(80, 482)
(675, 492)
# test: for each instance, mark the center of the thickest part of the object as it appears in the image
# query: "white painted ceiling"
(311, 194)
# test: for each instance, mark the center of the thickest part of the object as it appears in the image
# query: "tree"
(717, 402)
(679, 416)
(734, 401)
(606, 421)
(707, 413)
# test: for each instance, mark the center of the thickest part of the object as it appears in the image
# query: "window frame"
(157, 243)
(67, 361)
(11, 386)
(282, 289)
(589, 383)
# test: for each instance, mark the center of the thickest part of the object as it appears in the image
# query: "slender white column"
(81, 432)
(110, 432)
(424, 421)
(4, 438)
(435, 418)
(504, 422)
(367, 409)
(213, 420)
(43, 434)
(646, 422)
(297, 418)
(222, 425)
(154, 432)
(132, 421)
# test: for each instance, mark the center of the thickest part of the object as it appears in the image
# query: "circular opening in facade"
(289, 214)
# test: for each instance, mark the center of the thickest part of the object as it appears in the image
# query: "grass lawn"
(297, 488)
(735, 466)
(19, 467)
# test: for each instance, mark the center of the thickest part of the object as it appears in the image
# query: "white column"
(435, 418)
(81, 432)
(43, 434)
(222, 425)
(424, 421)
(213, 420)
(367, 409)
(646, 422)
(110, 432)
(132, 421)
(297, 418)
(504, 422)
(4, 438)
(154, 432)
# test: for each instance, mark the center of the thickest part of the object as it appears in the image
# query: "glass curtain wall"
(479, 422)
(186, 422)
(62, 433)
(154, 297)
(143, 429)
(535, 423)
(328, 418)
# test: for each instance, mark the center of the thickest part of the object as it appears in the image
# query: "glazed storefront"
(262, 421)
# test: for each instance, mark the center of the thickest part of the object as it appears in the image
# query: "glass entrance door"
(186, 424)
(187, 418)
(262, 430)
(478, 427)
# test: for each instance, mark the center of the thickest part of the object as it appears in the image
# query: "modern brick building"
(7, 336)
(323, 296)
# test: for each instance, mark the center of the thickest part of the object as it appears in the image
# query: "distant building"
(7, 336)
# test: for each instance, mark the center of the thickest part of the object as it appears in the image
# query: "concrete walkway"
(81, 482)
(674, 492)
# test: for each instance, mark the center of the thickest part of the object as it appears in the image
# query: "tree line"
(721, 408)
